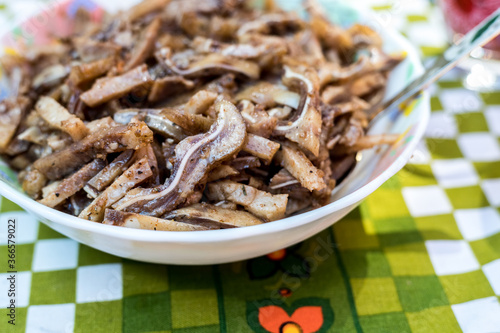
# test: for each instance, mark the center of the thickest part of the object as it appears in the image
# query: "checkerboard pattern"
(422, 254)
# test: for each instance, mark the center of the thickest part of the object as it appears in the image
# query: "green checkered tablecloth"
(422, 254)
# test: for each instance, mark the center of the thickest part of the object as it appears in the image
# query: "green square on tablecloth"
(366, 263)
(191, 308)
(45, 232)
(90, 256)
(464, 287)
(375, 295)
(54, 287)
(190, 277)
(491, 98)
(98, 317)
(487, 170)
(351, 234)
(409, 260)
(397, 231)
(443, 148)
(487, 249)
(143, 278)
(147, 313)
(436, 104)
(438, 227)
(420, 292)
(416, 175)
(384, 204)
(436, 319)
(387, 323)
(9, 206)
(24, 256)
(449, 84)
(467, 197)
(19, 327)
(471, 122)
(200, 329)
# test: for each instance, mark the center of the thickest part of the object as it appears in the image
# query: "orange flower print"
(309, 315)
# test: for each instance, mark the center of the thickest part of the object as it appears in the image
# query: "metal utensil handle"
(484, 32)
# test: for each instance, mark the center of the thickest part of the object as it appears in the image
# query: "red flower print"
(306, 319)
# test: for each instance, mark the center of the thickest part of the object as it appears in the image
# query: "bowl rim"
(209, 236)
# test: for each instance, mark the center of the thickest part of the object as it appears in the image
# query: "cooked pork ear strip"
(147, 152)
(169, 86)
(144, 8)
(195, 157)
(47, 190)
(90, 71)
(191, 123)
(203, 211)
(258, 121)
(305, 127)
(222, 172)
(107, 175)
(116, 139)
(295, 205)
(246, 162)
(10, 117)
(282, 179)
(366, 84)
(72, 184)
(200, 102)
(137, 221)
(267, 22)
(154, 119)
(212, 64)
(90, 50)
(146, 45)
(268, 95)
(102, 124)
(261, 147)
(33, 135)
(50, 77)
(136, 174)
(260, 203)
(57, 116)
(300, 167)
(106, 89)
(33, 183)
(367, 142)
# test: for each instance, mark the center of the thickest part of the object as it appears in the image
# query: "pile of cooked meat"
(193, 115)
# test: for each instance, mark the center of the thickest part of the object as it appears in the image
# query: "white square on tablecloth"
(460, 100)
(480, 315)
(491, 188)
(451, 256)
(26, 228)
(492, 115)
(479, 146)
(99, 283)
(477, 223)
(22, 289)
(454, 173)
(55, 254)
(58, 318)
(442, 125)
(420, 155)
(492, 272)
(426, 200)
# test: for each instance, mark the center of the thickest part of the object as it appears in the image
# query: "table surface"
(421, 254)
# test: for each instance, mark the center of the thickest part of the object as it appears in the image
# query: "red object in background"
(463, 15)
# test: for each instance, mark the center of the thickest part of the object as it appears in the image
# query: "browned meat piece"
(72, 184)
(136, 174)
(247, 162)
(268, 95)
(33, 183)
(107, 175)
(282, 179)
(261, 147)
(90, 71)
(304, 127)
(137, 221)
(117, 139)
(195, 157)
(200, 213)
(146, 45)
(107, 89)
(169, 86)
(262, 204)
(10, 117)
(300, 167)
(211, 64)
(257, 120)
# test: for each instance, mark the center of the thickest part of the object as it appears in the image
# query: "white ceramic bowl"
(221, 246)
